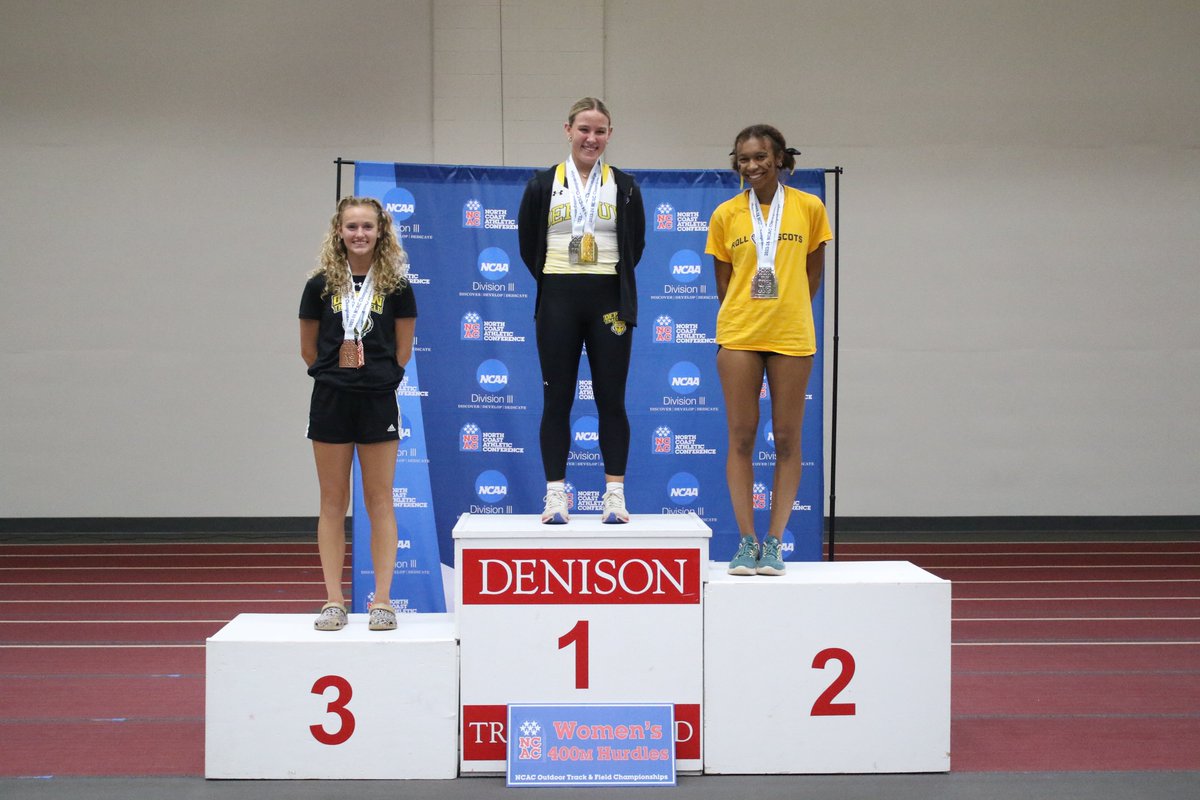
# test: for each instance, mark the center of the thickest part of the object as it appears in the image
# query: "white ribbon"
(356, 305)
(766, 232)
(585, 200)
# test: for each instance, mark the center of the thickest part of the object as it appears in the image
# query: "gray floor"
(966, 786)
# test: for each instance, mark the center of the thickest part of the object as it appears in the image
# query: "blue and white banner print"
(479, 407)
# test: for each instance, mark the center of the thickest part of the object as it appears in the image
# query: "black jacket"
(533, 219)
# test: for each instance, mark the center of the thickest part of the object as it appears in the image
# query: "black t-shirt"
(379, 372)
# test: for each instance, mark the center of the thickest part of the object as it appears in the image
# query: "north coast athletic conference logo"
(476, 216)
(662, 439)
(529, 743)
(664, 217)
(664, 328)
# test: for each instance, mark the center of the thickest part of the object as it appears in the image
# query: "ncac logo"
(469, 439)
(529, 743)
(684, 377)
(400, 203)
(585, 433)
(569, 491)
(492, 376)
(662, 439)
(473, 214)
(685, 266)
(491, 486)
(664, 328)
(683, 489)
(758, 494)
(493, 264)
(664, 217)
(472, 327)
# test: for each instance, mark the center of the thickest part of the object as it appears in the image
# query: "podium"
(844, 667)
(579, 613)
(285, 701)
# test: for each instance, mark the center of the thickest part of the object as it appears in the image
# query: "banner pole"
(837, 272)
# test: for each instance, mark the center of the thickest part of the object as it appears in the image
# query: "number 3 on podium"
(335, 706)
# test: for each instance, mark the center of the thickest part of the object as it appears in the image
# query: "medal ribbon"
(585, 200)
(766, 233)
(356, 306)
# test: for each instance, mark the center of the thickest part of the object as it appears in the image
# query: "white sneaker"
(613, 508)
(556, 512)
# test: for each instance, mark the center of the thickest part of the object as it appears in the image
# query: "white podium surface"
(578, 613)
(283, 700)
(835, 667)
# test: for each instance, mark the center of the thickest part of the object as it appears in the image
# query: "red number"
(578, 636)
(336, 706)
(825, 707)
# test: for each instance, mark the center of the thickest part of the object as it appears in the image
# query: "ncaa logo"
(406, 428)
(493, 264)
(491, 486)
(585, 433)
(788, 548)
(769, 433)
(758, 494)
(684, 377)
(664, 217)
(400, 203)
(685, 266)
(664, 329)
(662, 440)
(472, 327)
(468, 438)
(473, 214)
(492, 375)
(683, 489)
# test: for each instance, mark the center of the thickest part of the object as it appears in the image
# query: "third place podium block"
(578, 613)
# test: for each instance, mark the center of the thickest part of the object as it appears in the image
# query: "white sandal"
(332, 617)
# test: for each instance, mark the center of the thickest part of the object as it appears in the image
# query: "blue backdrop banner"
(471, 400)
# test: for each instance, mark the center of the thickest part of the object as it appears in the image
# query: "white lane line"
(1073, 644)
(98, 646)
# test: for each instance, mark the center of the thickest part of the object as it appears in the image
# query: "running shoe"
(745, 560)
(613, 506)
(556, 512)
(771, 562)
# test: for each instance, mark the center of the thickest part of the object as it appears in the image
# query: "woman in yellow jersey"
(768, 247)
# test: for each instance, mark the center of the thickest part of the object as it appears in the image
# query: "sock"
(553, 485)
(615, 486)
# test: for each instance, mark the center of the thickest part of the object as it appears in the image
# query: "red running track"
(1067, 656)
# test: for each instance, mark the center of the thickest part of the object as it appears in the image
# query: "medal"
(764, 286)
(356, 309)
(350, 354)
(585, 202)
(587, 249)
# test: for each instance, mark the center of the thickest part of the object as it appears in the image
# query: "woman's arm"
(815, 266)
(405, 331)
(309, 330)
(724, 272)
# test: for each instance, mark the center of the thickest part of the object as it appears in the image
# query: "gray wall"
(1020, 237)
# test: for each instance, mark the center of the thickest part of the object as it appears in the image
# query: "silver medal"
(764, 286)
(574, 248)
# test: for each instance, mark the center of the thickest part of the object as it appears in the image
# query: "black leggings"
(571, 313)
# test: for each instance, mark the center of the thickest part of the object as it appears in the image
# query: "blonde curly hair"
(389, 265)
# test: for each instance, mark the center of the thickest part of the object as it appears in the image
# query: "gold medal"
(587, 249)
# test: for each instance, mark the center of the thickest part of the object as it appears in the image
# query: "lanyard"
(356, 305)
(585, 199)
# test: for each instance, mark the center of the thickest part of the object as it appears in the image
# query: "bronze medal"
(350, 354)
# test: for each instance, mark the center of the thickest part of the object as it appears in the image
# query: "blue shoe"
(745, 560)
(770, 562)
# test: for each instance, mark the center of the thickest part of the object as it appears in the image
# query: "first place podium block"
(579, 613)
(840, 667)
(285, 701)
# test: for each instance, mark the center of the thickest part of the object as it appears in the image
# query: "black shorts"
(336, 416)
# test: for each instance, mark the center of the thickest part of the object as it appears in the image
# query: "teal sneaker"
(745, 560)
(770, 562)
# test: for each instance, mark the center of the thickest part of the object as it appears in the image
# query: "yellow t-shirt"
(783, 325)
